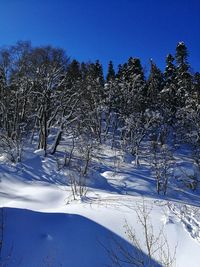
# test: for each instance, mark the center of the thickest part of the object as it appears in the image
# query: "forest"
(44, 95)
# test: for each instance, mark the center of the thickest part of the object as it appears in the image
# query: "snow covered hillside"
(43, 225)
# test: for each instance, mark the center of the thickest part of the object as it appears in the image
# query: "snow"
(44, 226)
(40, 152)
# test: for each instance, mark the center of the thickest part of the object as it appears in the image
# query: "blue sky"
(105, 29)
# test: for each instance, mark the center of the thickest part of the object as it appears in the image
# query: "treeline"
(41, 90)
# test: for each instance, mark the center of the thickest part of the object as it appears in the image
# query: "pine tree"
(74, 71)
(183, 76)
(131, 87)
(155, 85)
(168, 94)
(182, 56)
(98, 72)
(92, 99)
(119, 72)
(170, 70)
(111, 72)
(134, 67)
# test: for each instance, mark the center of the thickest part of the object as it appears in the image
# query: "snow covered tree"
(136, 129)
(168, 94)
(155, 85)
(162, 164)
(196, 87)
(91, 105)
(183, 76)
(48, 67)
(131, 88)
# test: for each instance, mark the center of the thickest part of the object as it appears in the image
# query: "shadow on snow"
(53, 239)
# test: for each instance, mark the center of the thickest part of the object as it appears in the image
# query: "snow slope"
(44, 226)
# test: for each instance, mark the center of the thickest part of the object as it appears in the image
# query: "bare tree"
(162, 163)
(12, 147)
(48, 66)
(149, 251)
(137, 126)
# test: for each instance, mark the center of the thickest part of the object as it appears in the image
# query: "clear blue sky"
(105, 29)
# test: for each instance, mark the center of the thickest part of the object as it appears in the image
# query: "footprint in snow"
(168, 219)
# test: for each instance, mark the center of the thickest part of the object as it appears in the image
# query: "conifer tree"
(134, 67)
(155, 85)
(111, 72)
(183, 76)
(119, 72)
(196, 86)
(131, 87)
(170, 70)
(74, 71)
(168, 94)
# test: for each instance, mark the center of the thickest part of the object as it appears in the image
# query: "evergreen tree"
(168, 94)
(111, 72)
(170, 70)
(98, 72)
(134, 67)
(196, 86)
(182, 56)
(183, 76)
(74, 72)
(119, 72)
(92, 99)
(155, 85)
(131, 87)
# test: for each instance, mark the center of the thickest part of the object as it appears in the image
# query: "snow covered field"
(44, 226)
